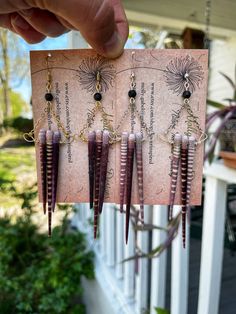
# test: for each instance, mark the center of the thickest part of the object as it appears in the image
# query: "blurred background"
(70, 273)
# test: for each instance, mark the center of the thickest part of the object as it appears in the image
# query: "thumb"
(101, 22)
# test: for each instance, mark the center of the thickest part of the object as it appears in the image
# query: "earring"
(98, 153)
(183, 148)
(131, 145)
(49, 156)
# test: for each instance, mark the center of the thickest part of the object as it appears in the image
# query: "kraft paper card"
(159, 78)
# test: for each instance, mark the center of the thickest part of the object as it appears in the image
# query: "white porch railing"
(140, 286)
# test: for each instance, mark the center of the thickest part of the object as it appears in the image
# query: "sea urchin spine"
(49, 137)
(123, 167)
(174, 172)
(139, 162)
(103, 168)
(43, 166)
(130, 163)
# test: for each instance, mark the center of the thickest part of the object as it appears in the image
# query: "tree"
(13, 68)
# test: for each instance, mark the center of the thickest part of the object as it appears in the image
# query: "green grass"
(18, 188)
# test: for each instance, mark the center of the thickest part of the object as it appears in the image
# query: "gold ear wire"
(132, 58)
(29, 137)
(49, 55)
(203, 137)
(98, 77)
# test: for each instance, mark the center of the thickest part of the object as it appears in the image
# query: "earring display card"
(159, 78)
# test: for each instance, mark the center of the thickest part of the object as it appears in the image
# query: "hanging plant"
(225, 129)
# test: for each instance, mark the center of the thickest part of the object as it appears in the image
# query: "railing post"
(179, 271)
(142, 278)
(102, 229)
(158, 274)
(129, 267)
(120, 243)
(109, 211)
(212, 245)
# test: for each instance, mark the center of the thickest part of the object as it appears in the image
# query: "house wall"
(94, 298)
(222, 59)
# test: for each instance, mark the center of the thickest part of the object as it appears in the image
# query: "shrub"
(19, 124)
(40, 274)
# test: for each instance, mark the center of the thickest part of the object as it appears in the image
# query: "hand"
(101, 22)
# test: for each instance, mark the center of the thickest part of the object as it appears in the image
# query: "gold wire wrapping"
(186, 105)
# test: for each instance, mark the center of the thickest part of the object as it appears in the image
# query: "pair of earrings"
(98, 152)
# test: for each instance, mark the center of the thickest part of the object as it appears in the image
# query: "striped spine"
(139, 163)
(49, 137)
(103, 168)
(91, 158)
(98, 153)
(123, 167)
(130, 163)
(174, 172)
(191, 156)
(56, 151)
(43, 166)
(184, 170)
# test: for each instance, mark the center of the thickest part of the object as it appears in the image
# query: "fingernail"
(115, 46)
(20, 23)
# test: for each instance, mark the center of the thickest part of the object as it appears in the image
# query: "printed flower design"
(176, 70)
(87, 73)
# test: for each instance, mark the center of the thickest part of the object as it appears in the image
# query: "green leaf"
(231, 82)
(216, 104)
(161, 311)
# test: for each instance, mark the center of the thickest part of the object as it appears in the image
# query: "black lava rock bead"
(97, 96)
(186, 94)
(48, 97)
(132, 93)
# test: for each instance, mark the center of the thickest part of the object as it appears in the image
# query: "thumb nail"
(115, 46)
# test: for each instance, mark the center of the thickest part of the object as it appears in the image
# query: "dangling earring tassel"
(49, 136)
(174, 172)
(130, 163)
(91, 158)
(43, 166)
(98, 153)
(56, 152)
(190, 174)
(123, 167)
(184, 170)
(139, 162)
(103, 168)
